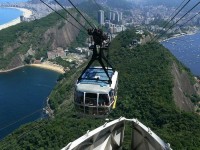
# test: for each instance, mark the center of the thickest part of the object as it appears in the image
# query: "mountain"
(147, 91)
(39, 36)
(123, 4)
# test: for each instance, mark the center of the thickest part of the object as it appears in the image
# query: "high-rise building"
(117, 16)
(113, 16)
(101, 17)
(120, 16)
(110, 15)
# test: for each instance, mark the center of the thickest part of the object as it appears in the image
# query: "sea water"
(9, 14)
(187, 50)
(23, 94)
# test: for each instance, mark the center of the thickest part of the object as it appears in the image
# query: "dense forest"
(145, 92)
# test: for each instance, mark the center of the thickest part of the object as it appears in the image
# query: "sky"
(2, 1)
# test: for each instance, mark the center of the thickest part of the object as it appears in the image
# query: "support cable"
(189, 20)
(62, 16)
(27, 116)
(176, 9)
(81, 14)
(70, 14)
(177, 13)
(173, 17)
(179, 19)
(97, 4)
(19, 137)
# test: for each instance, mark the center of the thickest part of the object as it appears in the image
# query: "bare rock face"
(16, 62)
(182, 89)
(61, 35)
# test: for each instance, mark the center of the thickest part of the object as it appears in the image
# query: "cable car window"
(111, 93)
(91, 99)
(79, 97)
(103, 99)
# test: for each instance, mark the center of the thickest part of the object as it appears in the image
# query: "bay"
(187, 50)
(23, 94)
(9, 14)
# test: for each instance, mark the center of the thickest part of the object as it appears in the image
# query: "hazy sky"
(13, 1)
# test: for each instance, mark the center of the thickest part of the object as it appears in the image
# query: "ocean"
(23, 94)
(187, 50)
(9, 14)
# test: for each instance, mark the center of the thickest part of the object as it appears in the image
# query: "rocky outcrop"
(61, 35)
(17, 60)
(183, 89)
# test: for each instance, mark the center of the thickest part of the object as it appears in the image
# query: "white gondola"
(94, 95)
(96, 88)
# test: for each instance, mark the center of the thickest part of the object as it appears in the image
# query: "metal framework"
(101, 43)
(110, 136)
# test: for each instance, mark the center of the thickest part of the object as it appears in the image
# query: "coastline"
(45, 65)
(26, 13)
(180, 35)
(50, 66)
(9, 70)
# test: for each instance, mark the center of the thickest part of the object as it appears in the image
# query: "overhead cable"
(97, 4)
(62, 16)
(189, 19)
(155, 37)
(27, 116)
(22, 135)
(81, 14)
(177, 8)
(177, 13)
(179, 19)
(70, 14)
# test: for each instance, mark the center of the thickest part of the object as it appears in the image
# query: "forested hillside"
(145, 92)
(39, 36)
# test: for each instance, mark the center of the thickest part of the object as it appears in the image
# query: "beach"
(50, 66)
(45, 65)
(26, 13)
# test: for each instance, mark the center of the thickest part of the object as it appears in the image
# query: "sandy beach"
(50, 66)
(45, 65)
(26, 13)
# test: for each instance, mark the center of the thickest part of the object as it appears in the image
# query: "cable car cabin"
(94, 95)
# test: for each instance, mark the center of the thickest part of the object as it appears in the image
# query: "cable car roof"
(93, 88)
(95, 80)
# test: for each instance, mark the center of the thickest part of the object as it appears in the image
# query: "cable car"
(96, 88)
(94, 95)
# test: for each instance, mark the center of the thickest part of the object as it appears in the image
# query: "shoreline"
(45, 65)
(49, 66)
(180, 35)
(26, 13)
(9, 70)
